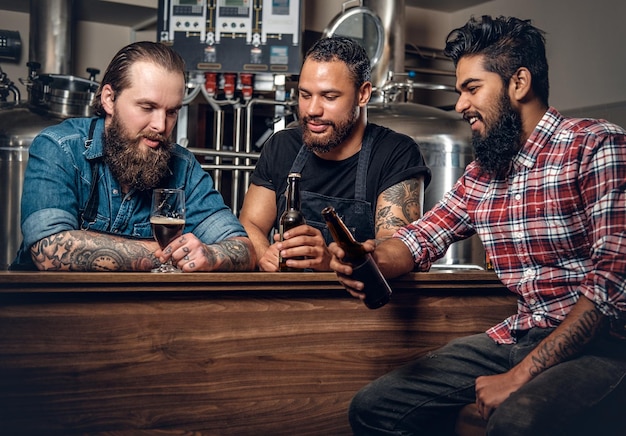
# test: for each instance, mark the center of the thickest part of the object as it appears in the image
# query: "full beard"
(339, 133)
(501, 143)
(131, 166)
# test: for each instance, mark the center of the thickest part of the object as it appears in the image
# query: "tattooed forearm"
(567, 343)
(79, 250)
(230, 255)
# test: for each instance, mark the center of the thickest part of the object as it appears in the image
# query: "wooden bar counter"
(215, 353)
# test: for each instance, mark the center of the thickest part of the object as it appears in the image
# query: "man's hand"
(304, 241)
(186, 250)
(344, 270)
(269, 261)
(492, 390)
(579, 328)
(191, 255)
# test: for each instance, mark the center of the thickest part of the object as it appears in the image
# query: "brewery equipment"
(53, 96)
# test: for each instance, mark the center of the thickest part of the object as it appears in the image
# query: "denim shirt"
(58, 180)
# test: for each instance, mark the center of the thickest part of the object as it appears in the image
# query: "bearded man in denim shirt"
(88, 183)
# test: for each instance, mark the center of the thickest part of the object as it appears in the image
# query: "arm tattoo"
(567, 344)
(79, 250)
(404, 195)
(385, 218)
(229, 255)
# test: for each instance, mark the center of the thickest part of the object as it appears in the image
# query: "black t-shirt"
(395, 157)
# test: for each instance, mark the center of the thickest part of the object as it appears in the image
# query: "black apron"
(357, 213)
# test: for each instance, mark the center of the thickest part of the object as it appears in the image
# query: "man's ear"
(520, 84)
(107, 98)
(365, 93)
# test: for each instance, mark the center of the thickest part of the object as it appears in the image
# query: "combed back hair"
(506, 44)
(117, 73)
(346, 50)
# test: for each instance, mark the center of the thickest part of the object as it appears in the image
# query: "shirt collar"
(538, 139)
(95, 150)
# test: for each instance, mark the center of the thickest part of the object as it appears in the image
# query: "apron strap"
(360, 189)
(89, 215)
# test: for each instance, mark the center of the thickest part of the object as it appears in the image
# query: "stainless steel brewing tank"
(19, 124)
(67, 96)
(52, 98)
(444, 140)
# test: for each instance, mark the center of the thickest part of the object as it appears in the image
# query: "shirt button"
(537, 318)
(520, 235)
(532, 301)
(115, 192)
(528, 273)
(518, 197)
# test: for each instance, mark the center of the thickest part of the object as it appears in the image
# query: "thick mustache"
(318, 121)
(153, 137)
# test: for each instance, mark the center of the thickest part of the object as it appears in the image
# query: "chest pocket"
(98, 224)
(142, 230)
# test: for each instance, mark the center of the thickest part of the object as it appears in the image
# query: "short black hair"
(346, 50)
(506, 43)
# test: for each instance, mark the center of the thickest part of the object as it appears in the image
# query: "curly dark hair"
(507, 43)
(117, 73)
(346, 50)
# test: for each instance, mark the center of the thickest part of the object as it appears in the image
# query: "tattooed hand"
(191, 255)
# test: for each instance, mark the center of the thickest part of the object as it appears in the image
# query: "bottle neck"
(293, 194)
(337, 227)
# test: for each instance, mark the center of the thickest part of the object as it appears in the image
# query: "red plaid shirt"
(554, 229)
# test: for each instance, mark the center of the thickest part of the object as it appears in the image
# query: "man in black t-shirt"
(374, 177)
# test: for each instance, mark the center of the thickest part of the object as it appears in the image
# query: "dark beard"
(341, 131)
(501, 143)
(130, 166)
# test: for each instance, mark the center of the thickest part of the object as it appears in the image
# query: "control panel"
(233, 19)
(187, 16)
(235, 36)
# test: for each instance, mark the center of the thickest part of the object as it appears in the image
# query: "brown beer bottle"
(291, 217)
(364, 269)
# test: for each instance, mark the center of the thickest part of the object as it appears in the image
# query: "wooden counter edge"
(38, 281)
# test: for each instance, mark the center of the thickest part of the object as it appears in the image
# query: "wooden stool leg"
(469, 422)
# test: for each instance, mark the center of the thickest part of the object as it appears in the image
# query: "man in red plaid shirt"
(547, 196)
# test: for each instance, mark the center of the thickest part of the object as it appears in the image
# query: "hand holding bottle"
(361, 275)
(304, 247)
(344, 268)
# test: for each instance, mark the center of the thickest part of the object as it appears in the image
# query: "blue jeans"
(424, 397)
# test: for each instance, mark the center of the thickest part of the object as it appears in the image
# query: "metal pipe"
(228, 167)
(51, 33)
(223, 153)
(218, 128)
(392, 16)
(237, 126)
(248, 130)
(417, 85)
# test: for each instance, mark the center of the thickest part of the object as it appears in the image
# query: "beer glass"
(167, 218)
